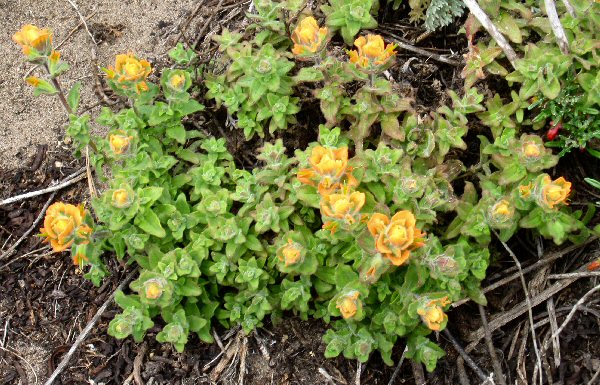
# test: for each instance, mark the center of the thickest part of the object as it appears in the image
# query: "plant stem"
(61, 94)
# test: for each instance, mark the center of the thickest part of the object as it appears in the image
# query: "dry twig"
(397, 370)
(527, 301)
(552, 257)
(71, 179)
(137, 363)
(420, 51)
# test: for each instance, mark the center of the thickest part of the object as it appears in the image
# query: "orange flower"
(329, 167)
(432, 313)
(291, 253)
(31, 36)
(129, 68)
(372, 52)
(349, 304)
(345, 205)
(33, 81)
(308, 38)
(395, 238)
(553, 193)
(119, 142)
(61, 225)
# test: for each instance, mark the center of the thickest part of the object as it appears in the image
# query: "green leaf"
(188, 107)
(344, 275)
(308, 74)
(149, 222)
(74, 96)
(177, 132)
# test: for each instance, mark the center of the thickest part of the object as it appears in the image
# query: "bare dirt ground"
(45, 303)
(145, 27)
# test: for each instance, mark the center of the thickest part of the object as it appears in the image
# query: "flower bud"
(121, 198)
(432, 313)
(501, 214)
(349, 304)
(119, 142)
(153, 288)
(291, 253)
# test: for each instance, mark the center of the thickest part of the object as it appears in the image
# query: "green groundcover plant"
(376, 228)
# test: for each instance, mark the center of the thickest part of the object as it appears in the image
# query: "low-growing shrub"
(364, 228)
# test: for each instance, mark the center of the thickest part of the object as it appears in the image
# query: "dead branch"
(397, 370)
(556, 26)
(485, 21)
(137, 363)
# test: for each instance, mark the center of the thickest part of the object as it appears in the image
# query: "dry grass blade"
(24, 360)
(572, 313)
(529, 305)
(557, 27)
(482, 376)
(553, 328)
(397, 370)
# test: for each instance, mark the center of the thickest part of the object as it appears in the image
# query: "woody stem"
(61, 94)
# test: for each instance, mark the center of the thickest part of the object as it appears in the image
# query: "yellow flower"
(531, 150)
(119, 142)
(555, 192)
(61, 225)
(121, 198)
(348, 304)
(153, 288)
(345, 205)
(395, 237)
(291, 253)
(177, 81)
(55, 56)
(129, 68)
(31, 36)
(372, 52)
(501, 214)
(308, 38)
(432, 313)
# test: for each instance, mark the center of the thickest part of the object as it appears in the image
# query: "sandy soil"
(145, 27)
